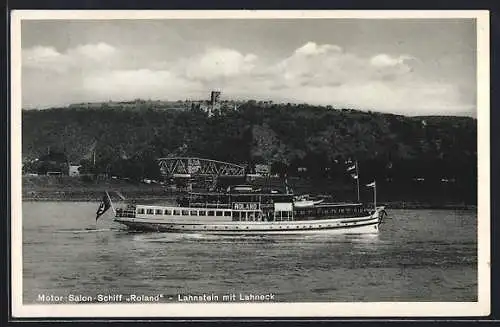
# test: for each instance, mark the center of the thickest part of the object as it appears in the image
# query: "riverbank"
(64, 188)
(172, 198)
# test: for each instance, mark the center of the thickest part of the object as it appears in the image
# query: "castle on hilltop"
(215, 104)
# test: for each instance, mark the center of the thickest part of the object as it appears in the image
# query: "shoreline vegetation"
(56, 189)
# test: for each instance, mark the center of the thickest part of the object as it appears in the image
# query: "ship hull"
(358, 225)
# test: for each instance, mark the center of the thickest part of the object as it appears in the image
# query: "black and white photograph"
(250, 163)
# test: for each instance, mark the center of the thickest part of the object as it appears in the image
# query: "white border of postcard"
(172, 310)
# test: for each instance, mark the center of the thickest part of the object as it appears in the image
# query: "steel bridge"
(193, 167)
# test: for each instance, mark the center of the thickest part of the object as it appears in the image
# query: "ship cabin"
(331, 210)
(246, 208)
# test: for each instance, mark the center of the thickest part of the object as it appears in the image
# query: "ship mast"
(357, 179)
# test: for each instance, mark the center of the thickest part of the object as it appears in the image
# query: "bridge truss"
(194, 167)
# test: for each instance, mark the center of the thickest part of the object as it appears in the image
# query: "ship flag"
(374, 186)
(104, 206)
(352, 168)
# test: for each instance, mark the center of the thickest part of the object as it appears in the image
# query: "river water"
(418, 255)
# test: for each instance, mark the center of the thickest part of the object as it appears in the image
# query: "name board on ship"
(245, 206)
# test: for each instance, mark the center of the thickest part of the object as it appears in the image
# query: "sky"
(402, 66)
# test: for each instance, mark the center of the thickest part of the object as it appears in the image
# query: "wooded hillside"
(393, 147)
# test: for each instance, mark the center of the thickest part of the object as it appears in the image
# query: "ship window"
(185, 212)
(251, 215)
(168, 212)
(202, 213)
(210, 213)
(194, 213)
(177, 212)
(243, 214)
(227, 213)
(140, 211)
(149, 211)
(218, 213)
(158, 212)
(236, 216)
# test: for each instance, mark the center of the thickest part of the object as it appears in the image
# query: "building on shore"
(74, 170)
(262, 169)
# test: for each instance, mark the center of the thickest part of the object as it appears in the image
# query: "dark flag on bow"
(104, 206)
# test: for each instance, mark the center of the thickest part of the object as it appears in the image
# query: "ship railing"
(125, 213)
(210, 205)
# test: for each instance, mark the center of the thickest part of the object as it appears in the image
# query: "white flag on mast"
(372, 184)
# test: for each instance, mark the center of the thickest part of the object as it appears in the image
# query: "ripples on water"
(418, 255)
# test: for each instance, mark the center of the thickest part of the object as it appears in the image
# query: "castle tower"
(214, 102)
(214, 98)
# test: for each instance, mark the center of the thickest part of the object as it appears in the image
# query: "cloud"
(323, 74)
(96, 52)
(384, 60)
(41, 57)
(41, 54)
(311, 48)
(219, 63)
(140, 83)
(87, 56)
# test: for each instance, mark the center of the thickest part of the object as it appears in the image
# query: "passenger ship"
(250, 214)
